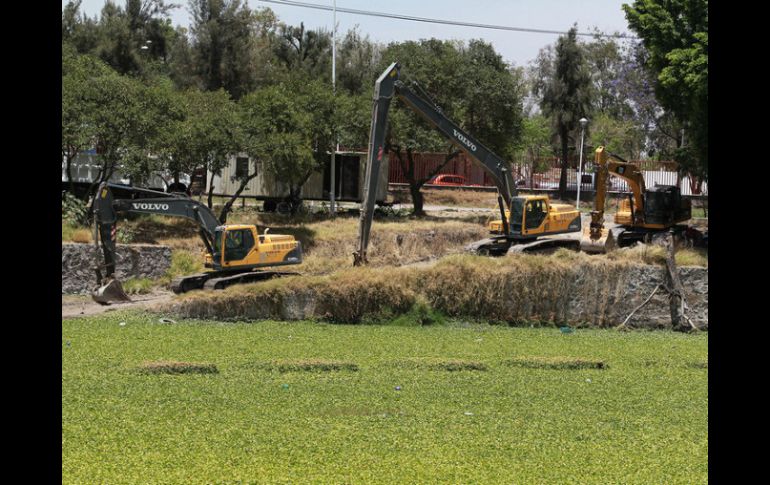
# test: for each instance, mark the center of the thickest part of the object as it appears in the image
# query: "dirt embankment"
(75, 306)
(572, 289)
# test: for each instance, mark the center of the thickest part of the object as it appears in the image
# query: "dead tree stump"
(676, 300)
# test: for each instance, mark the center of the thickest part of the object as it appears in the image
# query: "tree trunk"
(417, 199)
(564, 154)
(415, 183)
(295, 198)
(69, 158)
(229, 204)
(211, 192)
(679, 320)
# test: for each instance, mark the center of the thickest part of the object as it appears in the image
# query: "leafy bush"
(125, 234)
(138, 286)
(73, 210)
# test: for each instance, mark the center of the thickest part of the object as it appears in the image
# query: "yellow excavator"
(524, 219)
(645, 213)
(234, 252)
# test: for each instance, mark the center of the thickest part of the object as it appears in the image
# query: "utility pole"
(332, 178)
(583, 123)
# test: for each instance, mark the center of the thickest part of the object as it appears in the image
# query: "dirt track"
(74, 306)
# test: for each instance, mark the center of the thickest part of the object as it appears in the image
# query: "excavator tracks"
(250, 277)
(500, 246)
(219, 280)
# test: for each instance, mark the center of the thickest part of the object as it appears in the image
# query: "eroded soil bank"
(572, 289)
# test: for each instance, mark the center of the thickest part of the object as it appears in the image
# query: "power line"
(440, 21)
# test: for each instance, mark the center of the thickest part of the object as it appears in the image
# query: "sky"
(517, 48)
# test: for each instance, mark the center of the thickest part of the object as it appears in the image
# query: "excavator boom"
(389, 85)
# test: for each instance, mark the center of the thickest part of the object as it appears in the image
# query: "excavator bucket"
(604, 244)
(110, 292)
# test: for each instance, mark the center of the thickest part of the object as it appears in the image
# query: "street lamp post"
(332, 178)
(583, 123)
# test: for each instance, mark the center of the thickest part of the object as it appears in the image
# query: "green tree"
(535, 140)
(208, 135)
(471, 85)
(229, 47)
(78, 30)
(133, 39)
(307, 51)
(675, 33)
(275, 125)
(78, 130)
(357, 61)
(565, 92)
(618, 136)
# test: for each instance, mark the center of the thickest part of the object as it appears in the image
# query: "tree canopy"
(675, 34)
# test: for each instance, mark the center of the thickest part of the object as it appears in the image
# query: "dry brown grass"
(555, 363)
(81, 236)
(328, 244)
(309, 365)
(172, 367)
(352, 296)
(655, 254)
(534, 289)
(451, 365)
(459, 198)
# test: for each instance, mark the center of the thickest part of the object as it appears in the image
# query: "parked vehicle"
(449, 180)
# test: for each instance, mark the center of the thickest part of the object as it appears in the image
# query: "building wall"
(265, 186)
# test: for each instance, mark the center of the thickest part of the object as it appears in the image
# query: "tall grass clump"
(364, 295)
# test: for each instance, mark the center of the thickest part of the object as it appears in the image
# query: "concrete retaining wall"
(133, 261)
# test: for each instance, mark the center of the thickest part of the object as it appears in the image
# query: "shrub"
(73, 210)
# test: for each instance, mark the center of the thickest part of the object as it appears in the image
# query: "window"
(241, 167)
(238, 244)
(535, 213)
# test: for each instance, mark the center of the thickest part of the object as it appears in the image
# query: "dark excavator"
(645, 213)
(234, 252)
(524, 219)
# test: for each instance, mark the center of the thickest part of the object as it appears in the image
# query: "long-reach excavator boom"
(389, 85)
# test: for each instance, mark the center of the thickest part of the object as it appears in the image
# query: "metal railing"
(547, 176)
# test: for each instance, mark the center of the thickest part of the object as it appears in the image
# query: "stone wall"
(133, 261)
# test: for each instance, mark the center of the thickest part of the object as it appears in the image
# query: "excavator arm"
(388, 85)
(106, 207)
(608, 164)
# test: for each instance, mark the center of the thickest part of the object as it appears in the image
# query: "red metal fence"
(547, 175)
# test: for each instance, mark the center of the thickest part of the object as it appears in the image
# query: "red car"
(448, 179)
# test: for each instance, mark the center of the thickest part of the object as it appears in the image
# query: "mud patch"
(172, 367)
(561, 363)
(308, 365)
(451, 365)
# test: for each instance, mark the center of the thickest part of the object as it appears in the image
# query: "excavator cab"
(534, 216)
(239, 246)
